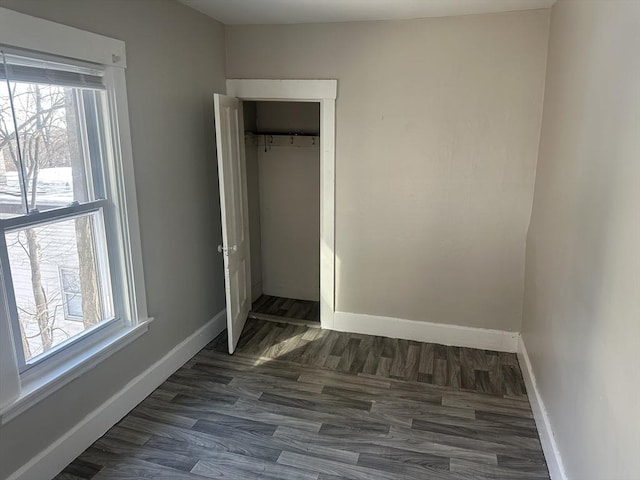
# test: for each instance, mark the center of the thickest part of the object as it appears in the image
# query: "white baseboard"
(457, 335)
(65, 449)
(549, 445)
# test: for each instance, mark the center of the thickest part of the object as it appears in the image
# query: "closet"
(282, 150)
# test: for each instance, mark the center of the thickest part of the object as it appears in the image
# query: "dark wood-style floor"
(287, 308)
(303, 403)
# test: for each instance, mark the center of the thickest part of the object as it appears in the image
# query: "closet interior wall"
(283, 178)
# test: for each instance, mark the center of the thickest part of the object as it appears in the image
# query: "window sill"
(37, 389)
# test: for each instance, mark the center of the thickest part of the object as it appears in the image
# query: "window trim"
(20, 392)
(17, 30)
(53, 215)
(35, 389)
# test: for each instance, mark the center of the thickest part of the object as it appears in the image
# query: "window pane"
(70, 284)
(11, 199)
(54, 144)
(60, 278)
(73, 302)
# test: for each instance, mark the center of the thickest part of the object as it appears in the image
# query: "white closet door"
(232, 175)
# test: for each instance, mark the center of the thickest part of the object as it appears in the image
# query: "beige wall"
(582, 305)
(437, 136)
(175, 60)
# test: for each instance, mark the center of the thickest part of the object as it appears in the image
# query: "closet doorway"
(232, 173)
(282, 151)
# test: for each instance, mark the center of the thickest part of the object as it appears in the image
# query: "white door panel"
(232, 176)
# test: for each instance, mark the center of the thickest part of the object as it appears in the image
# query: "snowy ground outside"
(55, 188)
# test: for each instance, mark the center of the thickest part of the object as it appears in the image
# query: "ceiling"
(242, 12)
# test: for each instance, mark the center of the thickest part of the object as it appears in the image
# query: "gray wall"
(289, 189)
(176, 61)
(582, 305)
(288, 117)
(249, 116)
(290, 218)
(253, 197)
(284, 200)
(437, 138)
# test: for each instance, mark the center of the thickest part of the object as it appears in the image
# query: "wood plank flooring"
(482, 371)
(299, 403)
(287, 308)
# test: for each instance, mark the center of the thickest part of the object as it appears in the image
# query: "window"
(53, 197)
(69, 244)
(71, 293)
(54, 201)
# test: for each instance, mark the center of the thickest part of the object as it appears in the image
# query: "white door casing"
(325, 93)
(232, 176)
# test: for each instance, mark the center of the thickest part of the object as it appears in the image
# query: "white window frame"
(18, 392)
